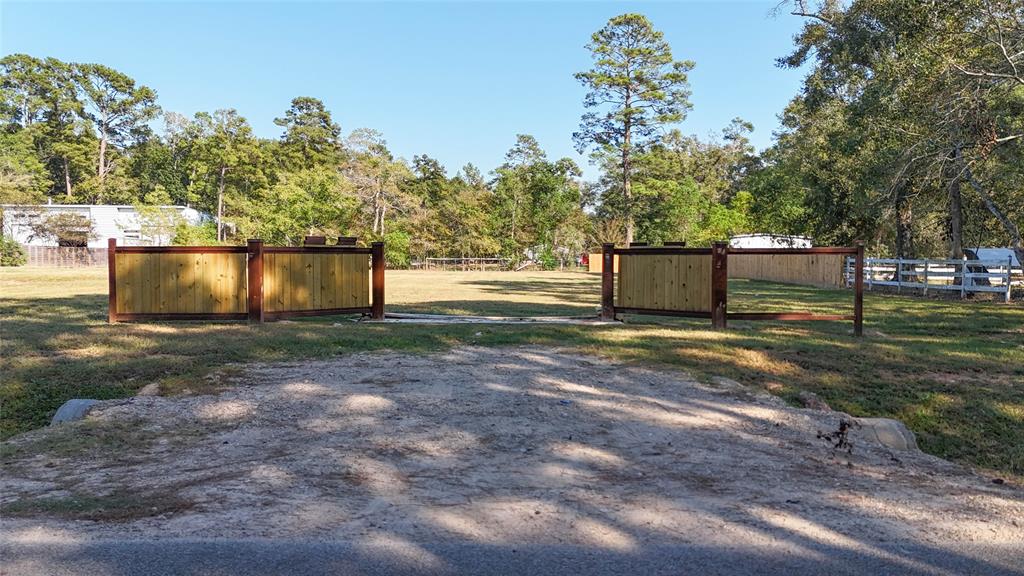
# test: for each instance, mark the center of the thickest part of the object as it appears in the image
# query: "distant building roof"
(120, 221)
(769, 241)
(997, 254)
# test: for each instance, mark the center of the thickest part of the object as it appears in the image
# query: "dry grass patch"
(918, 353)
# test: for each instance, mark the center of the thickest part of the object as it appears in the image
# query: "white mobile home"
(769, 241)
(122, 222)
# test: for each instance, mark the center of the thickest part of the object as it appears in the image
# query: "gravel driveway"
(509, 449)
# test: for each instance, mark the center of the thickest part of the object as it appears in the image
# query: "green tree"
(23, 178)
(40, 97)
(314, 201)
(311, 138)
(118, 109)
(537, 203)
(64, 228)
(933, 90)
(377, 178)
(24, 83)
(634, 89)
(227, 160)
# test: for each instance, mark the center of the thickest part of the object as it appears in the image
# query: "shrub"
(547, 259)
(11, 253)
(396, 249)
(186, 234)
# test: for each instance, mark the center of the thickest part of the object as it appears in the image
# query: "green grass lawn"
(953, 371)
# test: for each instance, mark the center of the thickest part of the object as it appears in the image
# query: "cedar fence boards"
(693, 282)
(242, 282)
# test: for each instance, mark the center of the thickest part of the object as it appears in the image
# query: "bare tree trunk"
(956, 215)
(627, 184)
(904, 224)
(101, 167)
(67, 178)
(220, 205)
(1011, 228)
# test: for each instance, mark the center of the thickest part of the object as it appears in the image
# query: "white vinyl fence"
(963, 276)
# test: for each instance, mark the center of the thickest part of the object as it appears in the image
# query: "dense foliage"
(908, 131)
(906, 135)
(11, 253)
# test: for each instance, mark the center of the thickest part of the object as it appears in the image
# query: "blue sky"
(457, 81)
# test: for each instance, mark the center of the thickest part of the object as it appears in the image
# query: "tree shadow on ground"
(954, 372)
(495, 458)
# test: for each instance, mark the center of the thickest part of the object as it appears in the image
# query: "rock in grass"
(74, 409)
(890, 433)
(812, 401)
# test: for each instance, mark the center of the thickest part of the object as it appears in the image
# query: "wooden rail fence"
(253, 282)
(693, 282)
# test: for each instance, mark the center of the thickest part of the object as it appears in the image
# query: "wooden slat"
(665, 281)
(222, 304)
(813, 269)
(241, 283)
(269, 282)
(147, 282)
(328, 281)
(209, 283)
(125, 297)
(306, 290)
(198, 283)
(182, 279)
(315, 292)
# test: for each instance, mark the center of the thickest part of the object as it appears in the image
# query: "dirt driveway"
(503, 447)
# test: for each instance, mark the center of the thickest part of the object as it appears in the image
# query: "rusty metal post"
(254, 284)
(346, 240)
(314, 241)
(719, 284)
(608, 282)
(377, 263)
(112, 280)
(858, 292)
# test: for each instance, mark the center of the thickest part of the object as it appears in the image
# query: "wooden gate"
(244, 282)
(664, 281)
(694, 282)
(177, 282)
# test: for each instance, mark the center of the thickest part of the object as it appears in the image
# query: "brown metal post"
(377, 262)
(255, 280)
(719, 284)
(314, 241)
(608, 282)
(346, 240)
(112, 280)
(858, 292)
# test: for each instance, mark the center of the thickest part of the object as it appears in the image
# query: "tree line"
(906, 135)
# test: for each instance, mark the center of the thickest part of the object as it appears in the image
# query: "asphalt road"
(299, 558)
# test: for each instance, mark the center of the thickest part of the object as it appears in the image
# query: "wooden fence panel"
(693, 282)
(822, 270)
(673, 282)
(252, 282)
(179, 283)
(309, 281)
(594, 263)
